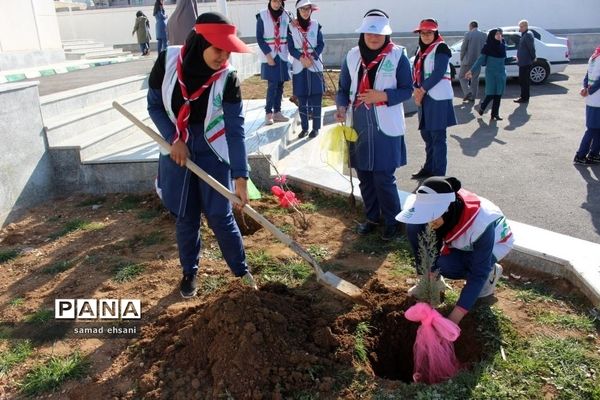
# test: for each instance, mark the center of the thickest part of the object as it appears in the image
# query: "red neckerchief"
(420, 58)
(596, 53)
(181, 127)
(304, 35)
(472, 207)
(277, 37)
(364, 83)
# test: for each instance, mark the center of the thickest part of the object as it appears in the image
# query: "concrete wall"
(344, 16)
(25, 168)
(29, 34)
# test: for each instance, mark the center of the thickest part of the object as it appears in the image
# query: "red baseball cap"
(426, 25)
(222, 36)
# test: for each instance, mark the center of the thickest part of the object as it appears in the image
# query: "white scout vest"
(269, 35)
(593, 71)
(311, 36)
(390, 119)
(488, 214)
(214, 123)
(443, 89)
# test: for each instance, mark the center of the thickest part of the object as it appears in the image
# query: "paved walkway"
(522, 163)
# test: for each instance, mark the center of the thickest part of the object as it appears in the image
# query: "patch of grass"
(127, 272)
(149, 239)
(322, 201)
(534, 294)
(360, 349)
(148, 214)
(15, 355)
(291, 273)
(58, 267)
(451, 297)
(211, 284)
(40, 317)
(569, 321)
(288, 229)
(92, 201)
(16, 302)
(373, 245)
(50, 375)
(319, 253)
(308, 208)
(7, 255)
(212, 252)
(260, 259)
(130, 202)
(403, 263)
(77, 225)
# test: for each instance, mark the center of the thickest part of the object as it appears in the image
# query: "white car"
(541, 34)
(551, 57)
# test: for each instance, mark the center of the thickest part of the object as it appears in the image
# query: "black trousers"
(495, 99)
(524, 81)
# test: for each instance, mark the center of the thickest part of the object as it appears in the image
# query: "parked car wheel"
(539, 72)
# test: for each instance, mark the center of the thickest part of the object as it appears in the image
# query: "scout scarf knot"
(183, 116)
(364, 83)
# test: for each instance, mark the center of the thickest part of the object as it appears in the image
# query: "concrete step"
(65, 126)
(115, 54)
(133, 148)
(76, 47)
(68, 101)
(105, 52)
(77, 41)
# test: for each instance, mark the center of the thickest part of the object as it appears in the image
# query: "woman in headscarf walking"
(307, 45)
(374, 81)
(161, 25)
(493, 56)
(433, 94)
(142, 28)
(271, 35)
(194, 100)
(589, 148)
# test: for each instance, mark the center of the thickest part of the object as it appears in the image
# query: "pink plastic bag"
(434, 357)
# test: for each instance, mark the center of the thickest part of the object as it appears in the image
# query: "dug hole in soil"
(235, 342)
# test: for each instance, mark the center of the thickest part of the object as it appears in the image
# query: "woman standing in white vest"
(433, 93)
(271, 35)
(374, 81)
(194, 100)
(589, 148)
(306, 45)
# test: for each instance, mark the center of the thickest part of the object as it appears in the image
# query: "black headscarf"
(452, 215)
(276, 13)
(493, 47)
(366, 53)
(158, 6)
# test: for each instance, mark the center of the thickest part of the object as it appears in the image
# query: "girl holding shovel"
(194, 100)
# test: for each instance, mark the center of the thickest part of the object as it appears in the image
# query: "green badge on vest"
(217, 101)
(387, 66)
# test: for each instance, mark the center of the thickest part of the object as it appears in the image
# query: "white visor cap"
(375, 24)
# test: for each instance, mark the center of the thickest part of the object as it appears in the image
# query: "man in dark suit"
(525, 58)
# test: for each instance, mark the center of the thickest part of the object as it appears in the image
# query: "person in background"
(589, 148)
(181, 21)
(161, 25)
(142, 28)
(194, 99)
(307, 82)
(433, 94)
(469, 51)
(525, 58)
(271, 36)
(472, 236)
(374, 81)
(493, 56)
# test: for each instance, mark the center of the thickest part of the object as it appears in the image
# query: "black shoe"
(467, 98)
(581, 161)
(188, 287)
(390, 232)
(302, 134)
(422, 174)
(593, 159)
(313, 133)
(366, 227)
(478, 109)
(520, 100)
(496, 118)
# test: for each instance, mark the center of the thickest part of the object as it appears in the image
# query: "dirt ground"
(290, 339)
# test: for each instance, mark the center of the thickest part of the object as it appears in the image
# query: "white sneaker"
(248, 280)
(279, 117)
(490, 284)
(269, 119)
